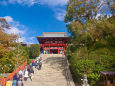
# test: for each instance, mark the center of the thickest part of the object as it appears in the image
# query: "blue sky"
(30, 18)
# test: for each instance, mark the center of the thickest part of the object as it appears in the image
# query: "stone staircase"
(52, 73)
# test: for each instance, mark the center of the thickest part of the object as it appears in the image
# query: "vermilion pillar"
(64, 49)
(58, 50)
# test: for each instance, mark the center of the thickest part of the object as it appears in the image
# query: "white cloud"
(54, 2)
(9, 19)
(60, 13)
(20, 30)
(22, 39)
(12, 22)
(14, 26)
(15, 30)
(23, 2)
(32, 2)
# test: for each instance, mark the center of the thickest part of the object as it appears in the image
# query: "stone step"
(52, 72)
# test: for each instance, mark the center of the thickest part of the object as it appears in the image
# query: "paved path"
(52, 72)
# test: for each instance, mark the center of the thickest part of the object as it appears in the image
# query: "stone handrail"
(68, 73)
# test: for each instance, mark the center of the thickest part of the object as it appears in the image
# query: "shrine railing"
(10, 76)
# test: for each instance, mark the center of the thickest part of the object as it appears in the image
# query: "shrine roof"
(54, 34)
(108, 72)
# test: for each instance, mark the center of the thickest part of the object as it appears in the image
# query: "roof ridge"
(53, 32)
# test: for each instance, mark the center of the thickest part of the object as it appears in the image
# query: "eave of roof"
(108, 72)
(53, 35)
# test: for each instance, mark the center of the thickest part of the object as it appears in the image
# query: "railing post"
(4, 80)
(1, 81)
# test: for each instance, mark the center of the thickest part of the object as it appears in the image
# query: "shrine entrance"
(53, 42)
(54, 51)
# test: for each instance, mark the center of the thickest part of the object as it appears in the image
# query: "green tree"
(34, 51)
(91, 47)
(18, 56)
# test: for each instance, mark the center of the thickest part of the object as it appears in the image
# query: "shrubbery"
(99, 59)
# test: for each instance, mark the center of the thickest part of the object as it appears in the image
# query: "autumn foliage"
(9, 48)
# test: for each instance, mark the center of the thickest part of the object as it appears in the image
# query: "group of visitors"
(28, 72)
(17, 79)
(38, 63)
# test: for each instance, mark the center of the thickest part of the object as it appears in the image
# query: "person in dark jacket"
(28, 69)
(33, 63)
(15, 78)
(31, 69)
(39, 65)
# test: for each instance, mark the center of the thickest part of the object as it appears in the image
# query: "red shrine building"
(53, 42)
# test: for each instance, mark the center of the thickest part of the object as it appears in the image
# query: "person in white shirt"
(38, 59)
(20, 73)
(27, 75)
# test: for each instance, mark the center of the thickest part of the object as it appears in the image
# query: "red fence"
(4, 80)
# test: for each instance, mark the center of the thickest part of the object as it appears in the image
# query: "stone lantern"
(85, 81)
